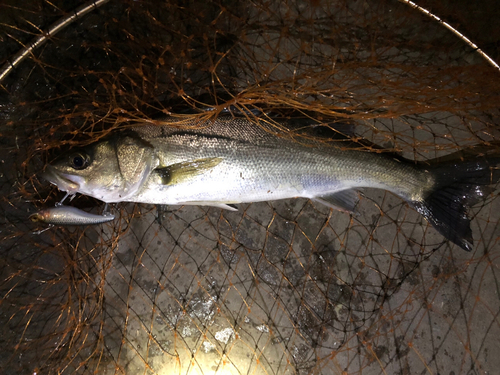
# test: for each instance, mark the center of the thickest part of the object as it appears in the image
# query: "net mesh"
(281, 287)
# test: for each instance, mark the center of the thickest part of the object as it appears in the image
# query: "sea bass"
(233, 160)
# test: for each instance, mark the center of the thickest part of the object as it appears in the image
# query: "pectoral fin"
(345, 200)
(181, 172)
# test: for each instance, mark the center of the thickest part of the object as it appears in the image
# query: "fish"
(68, 215)
(232, 160)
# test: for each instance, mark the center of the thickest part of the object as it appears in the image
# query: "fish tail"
(458, 185)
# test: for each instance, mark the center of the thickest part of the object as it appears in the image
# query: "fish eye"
(79, 161)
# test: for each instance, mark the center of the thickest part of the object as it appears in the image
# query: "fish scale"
(248, 174)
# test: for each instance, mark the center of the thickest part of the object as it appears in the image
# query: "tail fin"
(458, 186)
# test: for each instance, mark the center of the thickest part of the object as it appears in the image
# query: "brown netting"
(282, 287)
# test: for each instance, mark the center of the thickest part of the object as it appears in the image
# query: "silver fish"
(233, 160)
(67, 215)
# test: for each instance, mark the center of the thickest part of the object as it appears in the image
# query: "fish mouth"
(63, 181)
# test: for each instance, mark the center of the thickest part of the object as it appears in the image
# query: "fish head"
(110, 170)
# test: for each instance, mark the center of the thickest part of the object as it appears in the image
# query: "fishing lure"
(68, 215)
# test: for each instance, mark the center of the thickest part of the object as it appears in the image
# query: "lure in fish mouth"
(232, 160)
(65, 182)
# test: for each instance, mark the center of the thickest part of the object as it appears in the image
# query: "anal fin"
(345, 200)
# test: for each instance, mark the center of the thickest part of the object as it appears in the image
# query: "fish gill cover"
(281, 287)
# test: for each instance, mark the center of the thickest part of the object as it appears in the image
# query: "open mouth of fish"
(64, 182)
